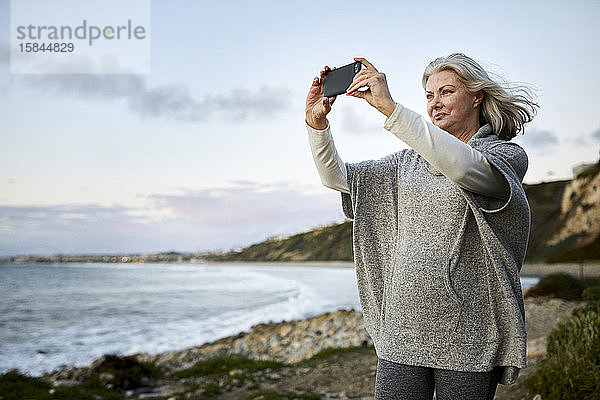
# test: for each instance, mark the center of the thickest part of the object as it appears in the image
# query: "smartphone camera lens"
(356, 67)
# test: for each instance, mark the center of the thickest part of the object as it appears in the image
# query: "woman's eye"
(428, 97)
(446, 92)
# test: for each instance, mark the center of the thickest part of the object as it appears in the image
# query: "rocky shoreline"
(294, 342)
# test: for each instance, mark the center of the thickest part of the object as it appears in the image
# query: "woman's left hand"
(377, 93)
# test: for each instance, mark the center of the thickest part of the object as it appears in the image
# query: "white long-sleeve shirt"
(458, 161)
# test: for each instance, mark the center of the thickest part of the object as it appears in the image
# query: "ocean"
(65, 314)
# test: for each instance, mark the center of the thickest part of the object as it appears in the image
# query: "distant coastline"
(581, 270)
(529, 269)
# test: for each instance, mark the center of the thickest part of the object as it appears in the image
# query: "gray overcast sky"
(209, 150)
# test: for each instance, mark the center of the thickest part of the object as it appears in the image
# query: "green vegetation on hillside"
(203, 380)
(226, 364)
(16, 386)
(330, 242)
(288, 395)
(590, 170)
(108, 380)
(571, 369)
(563, 286)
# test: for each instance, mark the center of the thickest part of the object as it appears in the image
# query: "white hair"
(506, 107)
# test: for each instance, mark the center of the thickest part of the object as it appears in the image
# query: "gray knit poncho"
(438, 266)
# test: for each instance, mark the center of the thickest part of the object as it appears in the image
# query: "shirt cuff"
(393, 116)
(317, 131)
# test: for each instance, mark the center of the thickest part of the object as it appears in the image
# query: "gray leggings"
(406, 382)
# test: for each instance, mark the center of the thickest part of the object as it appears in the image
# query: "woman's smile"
(438, 116)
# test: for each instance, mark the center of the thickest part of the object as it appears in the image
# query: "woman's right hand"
(317, 106)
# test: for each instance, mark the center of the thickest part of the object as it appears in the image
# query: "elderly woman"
(440, 230)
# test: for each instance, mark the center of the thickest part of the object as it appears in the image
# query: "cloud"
(586, 140)
(172, 101)
(166, 101)
(207, 219)
(62, 228)
(358, 122)
(252, 205)
(540, 141)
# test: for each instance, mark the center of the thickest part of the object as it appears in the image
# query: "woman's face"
(449, 105)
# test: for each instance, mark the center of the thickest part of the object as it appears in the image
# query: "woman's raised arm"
(332, 169)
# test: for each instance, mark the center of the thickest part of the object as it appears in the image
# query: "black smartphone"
(338, 80)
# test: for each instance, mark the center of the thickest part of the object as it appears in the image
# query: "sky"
(209, 150)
